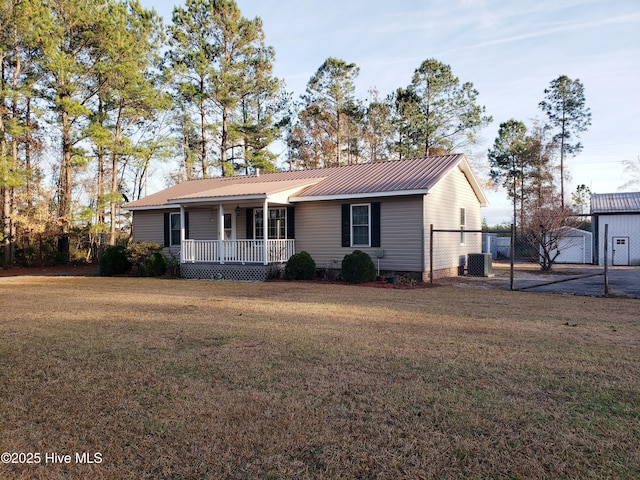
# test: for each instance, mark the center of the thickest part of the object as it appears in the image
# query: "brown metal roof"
(416, 175)
(248, 188)
(626, 202)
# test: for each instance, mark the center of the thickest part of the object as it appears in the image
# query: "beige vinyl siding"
(319, 232)
(149, 225)
(442, 209)
(202, 224)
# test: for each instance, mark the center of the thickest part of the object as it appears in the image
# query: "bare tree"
(546, 226)
(632, 172)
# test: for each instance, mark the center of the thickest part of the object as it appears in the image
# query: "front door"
(620, 252)
(229, 234)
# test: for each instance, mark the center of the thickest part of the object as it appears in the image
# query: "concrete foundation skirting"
(230, 272)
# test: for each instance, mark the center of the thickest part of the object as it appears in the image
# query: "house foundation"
(229, 272)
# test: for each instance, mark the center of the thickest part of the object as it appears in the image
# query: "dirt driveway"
(587, 280)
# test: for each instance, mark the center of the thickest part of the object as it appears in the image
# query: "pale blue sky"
(509, 50)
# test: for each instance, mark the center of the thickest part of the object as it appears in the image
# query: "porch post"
(265, 229)
(221, 233)
(182, 233)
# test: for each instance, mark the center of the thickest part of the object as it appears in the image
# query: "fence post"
(431, 254)
(512, 255)
(606, 256)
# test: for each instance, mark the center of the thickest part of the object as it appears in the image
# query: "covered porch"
(250, 225)
(261, 252)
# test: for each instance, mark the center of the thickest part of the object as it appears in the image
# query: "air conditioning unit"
(479, 264)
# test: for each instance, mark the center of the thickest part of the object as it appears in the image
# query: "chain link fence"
(512, 261)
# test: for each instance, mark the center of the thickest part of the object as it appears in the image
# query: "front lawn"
(150, 378)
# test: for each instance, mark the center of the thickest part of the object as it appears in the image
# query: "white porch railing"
(236, 251)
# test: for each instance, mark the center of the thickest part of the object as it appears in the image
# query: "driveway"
(623, 282)
(587, 280)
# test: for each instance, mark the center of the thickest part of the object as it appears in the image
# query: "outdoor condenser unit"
(479, 264)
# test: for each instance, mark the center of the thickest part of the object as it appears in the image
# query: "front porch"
(239, 252)
(234, 260)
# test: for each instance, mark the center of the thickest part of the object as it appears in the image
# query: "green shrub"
(300, 267)
(357, 267)
(153, 265)
(138, 251)
(114, 261)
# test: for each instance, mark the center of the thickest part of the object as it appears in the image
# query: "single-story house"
(239, 227)
(621, 213)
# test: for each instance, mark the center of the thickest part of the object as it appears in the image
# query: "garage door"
(571, 250)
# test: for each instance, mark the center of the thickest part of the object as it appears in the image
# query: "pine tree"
(70, 33)
(330, 111)
(565, 107)
(128, 95)
(219, 61)
(437, 114)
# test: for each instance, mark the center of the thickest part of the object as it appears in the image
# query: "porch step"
(230, 272)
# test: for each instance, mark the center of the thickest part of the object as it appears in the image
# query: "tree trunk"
(65, 190)
(203, 132)
(224, 140)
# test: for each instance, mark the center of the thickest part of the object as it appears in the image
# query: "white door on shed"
(620, 251)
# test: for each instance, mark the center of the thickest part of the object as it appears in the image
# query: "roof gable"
(394, 177)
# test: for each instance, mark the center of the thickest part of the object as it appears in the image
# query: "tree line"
(95, 95)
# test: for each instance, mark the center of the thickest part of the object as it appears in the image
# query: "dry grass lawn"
(198, 379)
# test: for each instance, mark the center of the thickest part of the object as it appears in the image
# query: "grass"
(196, 379)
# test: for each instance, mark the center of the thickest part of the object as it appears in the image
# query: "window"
(463, 225)
(229, 230)
(174, 228)
(276, 226)
(360, 225)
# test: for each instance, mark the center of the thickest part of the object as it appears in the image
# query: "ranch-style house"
(243, 227)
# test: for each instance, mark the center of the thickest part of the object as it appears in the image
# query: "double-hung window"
(276, 224)
(361, 225)
(463, 225)
(174, 229)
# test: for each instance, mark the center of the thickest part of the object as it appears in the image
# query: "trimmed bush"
(114, 261)
(138, 251)
(300, 267)
(357, 267)
(153, 265)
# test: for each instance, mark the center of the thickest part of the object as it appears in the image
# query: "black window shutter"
(346, 225)
(186, 224)
(249, 223)
(167, 229)
(375, 224)
(291, 223)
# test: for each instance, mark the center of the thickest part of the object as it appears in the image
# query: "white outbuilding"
(574, 246)
(621, 213)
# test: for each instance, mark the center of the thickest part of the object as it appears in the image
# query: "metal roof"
(625, 202)
(393, 177)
